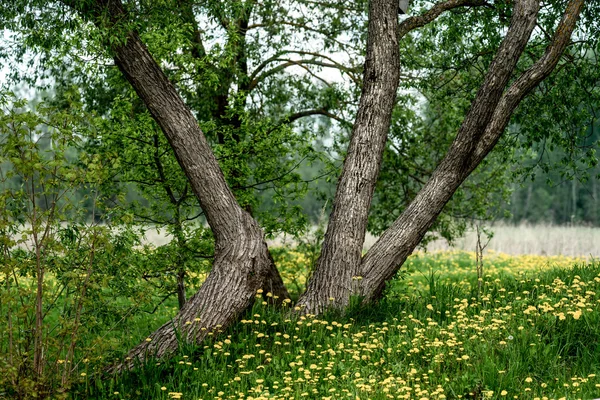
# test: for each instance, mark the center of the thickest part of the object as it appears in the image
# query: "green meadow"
(527, 328)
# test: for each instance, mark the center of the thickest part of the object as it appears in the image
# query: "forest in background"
(540, 193)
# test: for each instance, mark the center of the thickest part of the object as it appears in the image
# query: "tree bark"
(242, 263)
(334, 279)
(331, 284)
(479, 133)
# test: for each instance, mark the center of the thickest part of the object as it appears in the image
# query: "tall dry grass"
(574, 241)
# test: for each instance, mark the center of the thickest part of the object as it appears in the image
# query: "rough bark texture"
(479, 133)
(238, 272)
(242, 262)
(331, 285)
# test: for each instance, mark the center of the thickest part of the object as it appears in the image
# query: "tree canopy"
(210, 109)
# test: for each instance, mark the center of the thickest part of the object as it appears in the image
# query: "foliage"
(253, 81)
(66, 281)
(265, 79)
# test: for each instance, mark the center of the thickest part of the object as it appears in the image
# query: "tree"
(242, 263)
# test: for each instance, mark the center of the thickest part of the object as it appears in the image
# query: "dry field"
(574, 241)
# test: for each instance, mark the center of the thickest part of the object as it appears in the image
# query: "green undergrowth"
(530, 330)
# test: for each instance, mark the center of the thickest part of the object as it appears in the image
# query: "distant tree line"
(558, 187)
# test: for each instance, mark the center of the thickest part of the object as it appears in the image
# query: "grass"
(532, 332)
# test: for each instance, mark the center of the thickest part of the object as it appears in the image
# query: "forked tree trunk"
(408, 230)
(473, 142)
(333, 280)
(486, 120)
(242, 263)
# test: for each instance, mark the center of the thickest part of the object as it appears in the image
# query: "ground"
(532, 331)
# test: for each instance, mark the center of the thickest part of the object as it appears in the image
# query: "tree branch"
(529, 80)
(317, 111)
(255, 78)
(187, 15)
(419, 21)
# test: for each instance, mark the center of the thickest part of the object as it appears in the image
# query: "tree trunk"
(476, 138)
(239, 270)
(334, 278)
(242, 263)
(332, 283)
(527, 202)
